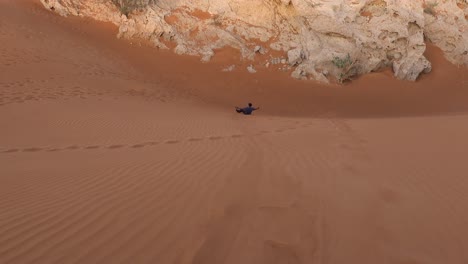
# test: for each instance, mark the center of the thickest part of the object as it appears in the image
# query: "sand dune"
(115, 153)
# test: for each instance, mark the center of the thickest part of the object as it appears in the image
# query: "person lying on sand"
(247, 110)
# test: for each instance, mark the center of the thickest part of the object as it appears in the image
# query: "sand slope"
(111, 153)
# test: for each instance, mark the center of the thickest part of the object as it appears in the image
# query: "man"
(247, 110)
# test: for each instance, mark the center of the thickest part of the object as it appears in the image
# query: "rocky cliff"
(317, 39)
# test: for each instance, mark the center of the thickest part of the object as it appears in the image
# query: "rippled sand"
(115, 153)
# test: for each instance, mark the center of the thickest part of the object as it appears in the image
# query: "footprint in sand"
(116, 146)
(195, 139)
(32, 149)
(54, 150)
(10, 151)
(92, 147)
(277, 252)
(74, 147)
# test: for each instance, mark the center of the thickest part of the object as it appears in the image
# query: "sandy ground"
(113, 153)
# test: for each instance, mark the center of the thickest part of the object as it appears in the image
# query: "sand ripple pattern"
(103, 160)
(149, 144)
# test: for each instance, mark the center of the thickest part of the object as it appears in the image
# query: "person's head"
(250, 104)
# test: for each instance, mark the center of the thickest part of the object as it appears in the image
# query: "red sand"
(112, 152)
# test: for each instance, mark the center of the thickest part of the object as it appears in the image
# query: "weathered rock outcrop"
(321, 39)
(446, 25)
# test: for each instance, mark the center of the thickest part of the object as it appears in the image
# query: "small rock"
(275, 61)
(229, 68)
(295, 56)
(251, 69)
(260, 49)
(180, 49)
(299, 74)
(411, 67)
(206, 55)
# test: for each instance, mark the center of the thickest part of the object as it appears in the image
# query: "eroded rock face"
(321, 39)
(446, 25)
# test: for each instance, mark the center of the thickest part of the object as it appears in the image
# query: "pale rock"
(251, 69)
(229, 68)
(207, 55)
(259, 49)
(97, 9)
(410, 68)
(275, 61)
(449, 29)
(181, 49)
(295, 56)
(309, 33)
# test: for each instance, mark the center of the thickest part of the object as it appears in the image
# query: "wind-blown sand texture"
(113, 153)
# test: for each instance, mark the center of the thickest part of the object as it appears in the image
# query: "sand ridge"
(115, 153)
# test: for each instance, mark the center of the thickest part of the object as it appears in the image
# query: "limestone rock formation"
(446, 25)
(321, 39)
